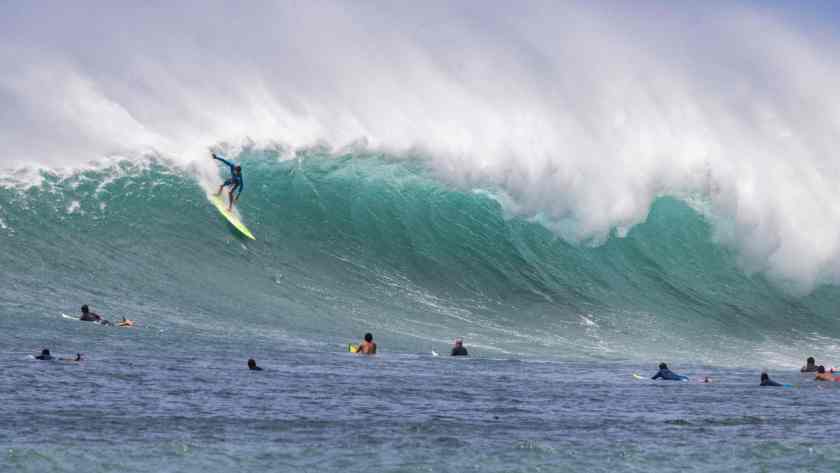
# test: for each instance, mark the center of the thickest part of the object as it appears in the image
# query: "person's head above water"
(45, 352)
(764, 376)
(238, 169)
(368, 337)
(85, 309)
(821, 369)
(810, 360)
(252, 364)
(663, 366)
(458, 342)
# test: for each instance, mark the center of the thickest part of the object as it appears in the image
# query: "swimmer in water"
(252, 365)
(810, 365)
(126, 322)
(667, 374)
(368, 346)
(77, 359)
(45, 355)
(766, 381)
(458, 349)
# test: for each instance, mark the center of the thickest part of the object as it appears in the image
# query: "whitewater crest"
(577, 116)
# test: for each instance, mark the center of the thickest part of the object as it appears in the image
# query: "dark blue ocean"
(150, 402)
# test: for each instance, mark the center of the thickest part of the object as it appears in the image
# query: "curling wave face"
(357, 242)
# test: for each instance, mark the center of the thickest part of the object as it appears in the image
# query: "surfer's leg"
(230, 197)
(226, 183)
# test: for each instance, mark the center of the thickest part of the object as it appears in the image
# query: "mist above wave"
(577, 115)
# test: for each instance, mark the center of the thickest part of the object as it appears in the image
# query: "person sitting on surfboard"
(667, 374)
(367, 347)
(235, 182)
(89, 316)
(823, 375)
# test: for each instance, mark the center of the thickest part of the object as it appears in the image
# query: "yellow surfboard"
(231, 217)
(352, 348)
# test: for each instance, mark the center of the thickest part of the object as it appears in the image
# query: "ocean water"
(365, 242)
(581, 190)
(153, 406)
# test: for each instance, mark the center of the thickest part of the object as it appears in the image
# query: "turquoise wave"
(361, 242)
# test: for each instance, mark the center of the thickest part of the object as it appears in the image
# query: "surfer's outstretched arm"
(230, 164)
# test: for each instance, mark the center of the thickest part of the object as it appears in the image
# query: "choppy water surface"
(145, 401)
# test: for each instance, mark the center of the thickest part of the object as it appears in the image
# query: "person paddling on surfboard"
(766, 381)
(45, 355)
(89, 316)
(235, 182)
(668, 375)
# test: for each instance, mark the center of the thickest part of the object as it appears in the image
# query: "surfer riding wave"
(236, 182)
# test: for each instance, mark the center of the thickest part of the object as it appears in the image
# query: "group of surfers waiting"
(368, 347)
(810, 367)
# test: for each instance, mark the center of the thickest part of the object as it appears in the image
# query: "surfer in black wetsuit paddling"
(89, 316)
(236, 182)
(766, 381)
(668, 375)
(45, 355)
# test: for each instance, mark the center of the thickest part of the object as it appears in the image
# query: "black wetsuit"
(93, 317)
(459, 351)
(669, 375)
(770, 382)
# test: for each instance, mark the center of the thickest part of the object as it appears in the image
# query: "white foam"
(73, 207)
(579, 113)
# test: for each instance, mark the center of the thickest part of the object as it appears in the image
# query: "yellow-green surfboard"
(220, 204)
